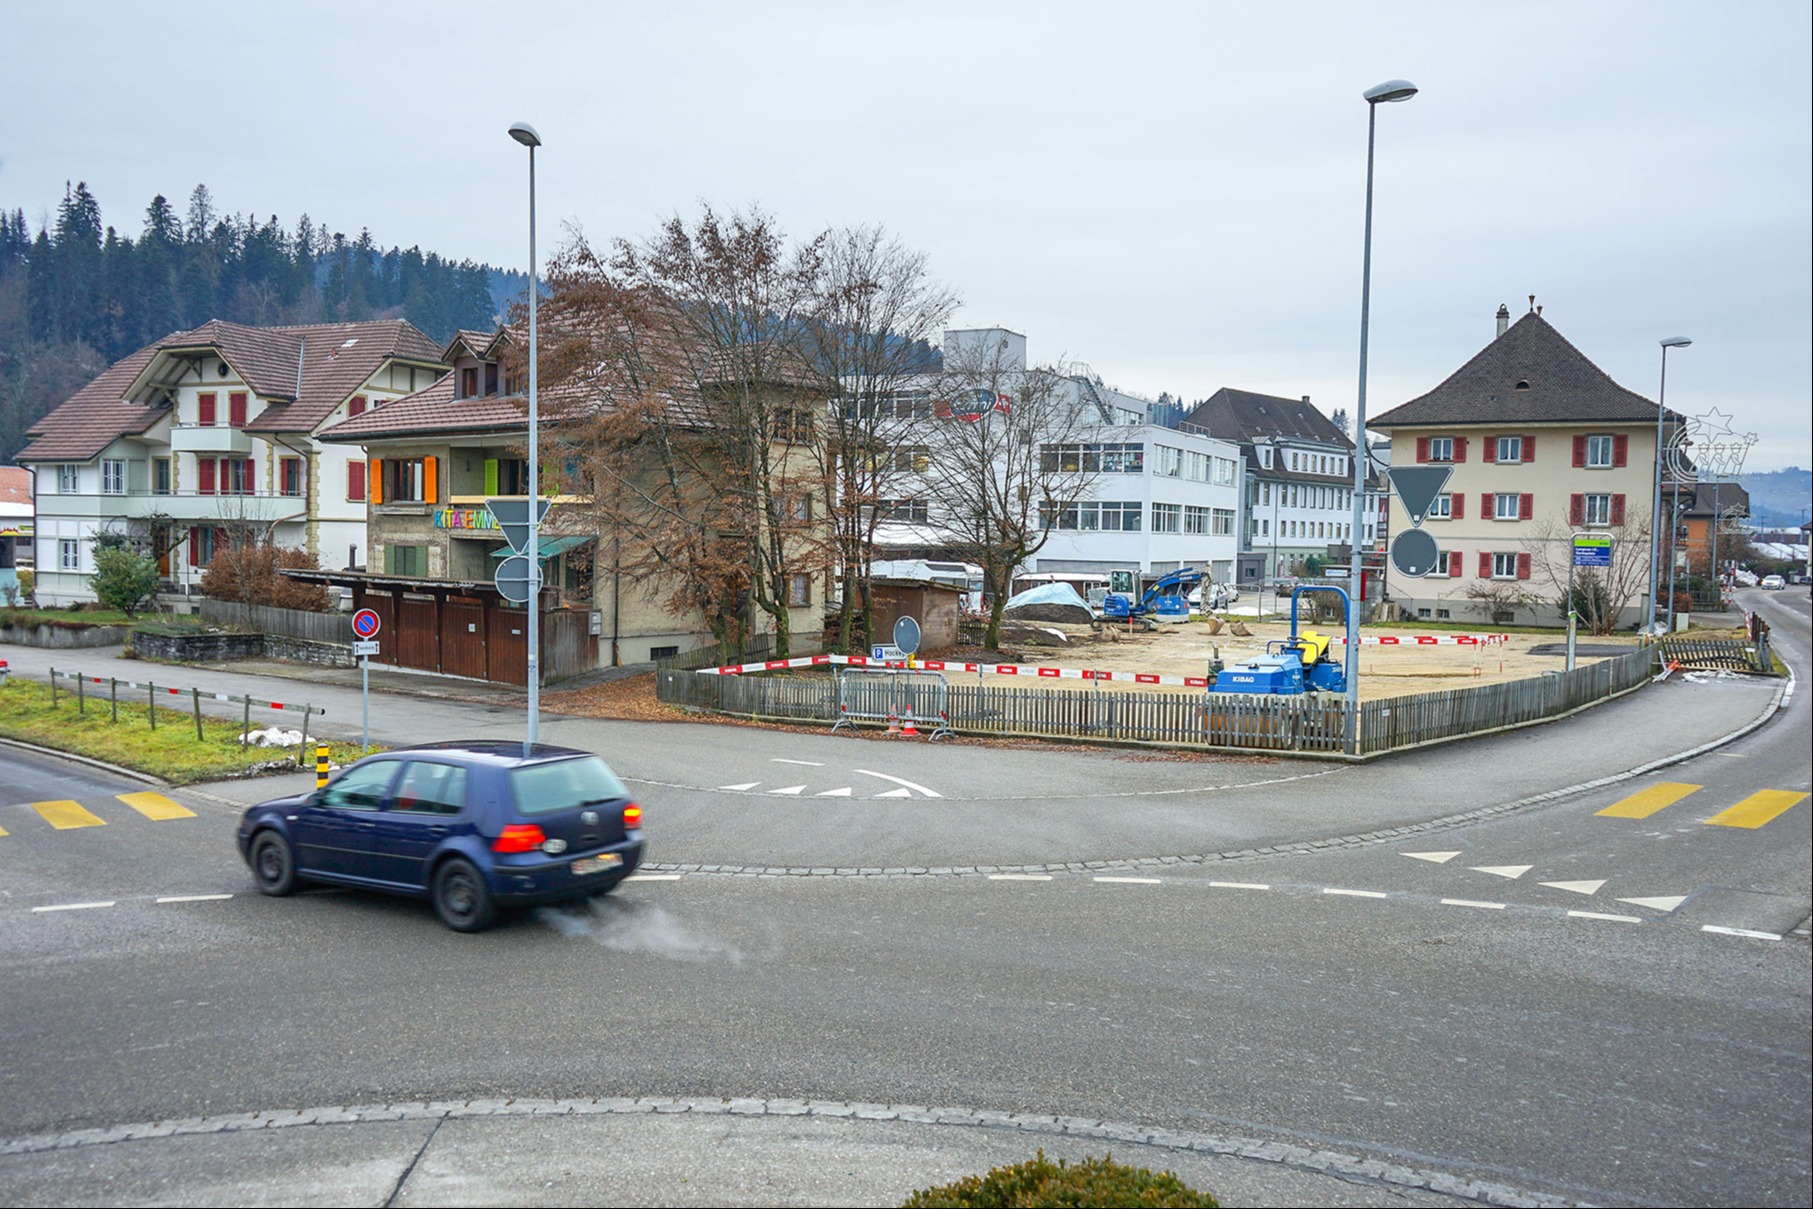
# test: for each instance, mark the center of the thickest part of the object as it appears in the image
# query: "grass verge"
(171, 751)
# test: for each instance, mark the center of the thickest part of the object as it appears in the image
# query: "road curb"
(102, 765)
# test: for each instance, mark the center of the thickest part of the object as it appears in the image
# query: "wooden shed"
(938, 608)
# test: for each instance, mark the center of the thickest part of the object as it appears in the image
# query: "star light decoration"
(1718, 450)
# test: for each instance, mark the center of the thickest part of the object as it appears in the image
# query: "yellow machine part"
(1314, 646)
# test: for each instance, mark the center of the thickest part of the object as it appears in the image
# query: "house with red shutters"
(1541, 444)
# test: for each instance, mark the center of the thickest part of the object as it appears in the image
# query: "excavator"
(1167, 600)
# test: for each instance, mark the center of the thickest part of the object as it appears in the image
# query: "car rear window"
(564, 785)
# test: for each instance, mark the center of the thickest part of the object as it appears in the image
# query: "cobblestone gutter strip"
(1325, 1162)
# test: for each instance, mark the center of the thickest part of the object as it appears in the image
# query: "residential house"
(16, 518)
(209, 436)
(1541, 444)
(1299, 482)
(1710, 514)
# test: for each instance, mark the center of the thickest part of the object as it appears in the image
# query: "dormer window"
(491, 378)
(469, 382)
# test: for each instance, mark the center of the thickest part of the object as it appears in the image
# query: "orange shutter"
(374, 482)
(431, 488)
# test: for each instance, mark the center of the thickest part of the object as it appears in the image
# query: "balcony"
(190, 507)
(210, 439)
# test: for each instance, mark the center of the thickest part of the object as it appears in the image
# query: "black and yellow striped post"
(320, 765)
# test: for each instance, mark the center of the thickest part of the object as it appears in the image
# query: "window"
(428, 788)
(1195, 519)
(407, 481)
(113, 476)
(799, 591)
(290, 476)
(1166, 518)
(506, 476)
(469, 382)
(1167, 461)
(1222, 524)
(1092, 457)
(360, 788)
(1224, 472)
(69, 555)
(663, 652)
(236, 476)
(797, 507)
(1508, 449)
(357, 406)
(1598, 510)
(1443, 508)
(793, 424)
(1504, 566)
(406, 560)
(1435, 449)
(160, 476)
(355, 482)
(491, 378)
(914, 458)
(1508, 506)
(1089, 516)
(67, 481)
(903, 510)
(204, 542)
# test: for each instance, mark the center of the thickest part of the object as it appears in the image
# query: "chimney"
(1306, 400)
(1504, 318)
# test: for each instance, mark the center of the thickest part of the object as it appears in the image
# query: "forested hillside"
(77, 295)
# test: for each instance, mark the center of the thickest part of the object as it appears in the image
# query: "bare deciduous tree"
(1601, 596)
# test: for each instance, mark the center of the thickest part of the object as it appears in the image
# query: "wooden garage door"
(507, 645)
(418, 642)
(463, 639)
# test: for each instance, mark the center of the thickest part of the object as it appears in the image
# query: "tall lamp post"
(1390, 90)
(525, 134)
(1655, 514)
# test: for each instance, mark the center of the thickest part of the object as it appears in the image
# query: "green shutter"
(490, 476)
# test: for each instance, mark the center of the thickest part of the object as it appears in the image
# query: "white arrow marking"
(1578, 887)
(930, 793)
(1439, 858)
(1660, 904)
(1739, 932)
(1467, 902)
(790, 789)
(834, 793)
(740, 788)
(1510, 871)
(895, 793)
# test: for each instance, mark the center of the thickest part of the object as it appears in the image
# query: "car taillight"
(519, 837)
(632, 817)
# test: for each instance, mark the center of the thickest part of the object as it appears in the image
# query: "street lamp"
(1655, 514)
(1390, 90)
(525, 134)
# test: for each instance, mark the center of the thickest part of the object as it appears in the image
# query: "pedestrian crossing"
(1757, 810)
(66, 814)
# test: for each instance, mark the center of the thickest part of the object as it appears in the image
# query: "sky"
(1170, 193)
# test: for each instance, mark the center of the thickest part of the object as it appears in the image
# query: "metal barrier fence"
(195, 695)
(889, 693)
(1310, 723)
(1713, 652)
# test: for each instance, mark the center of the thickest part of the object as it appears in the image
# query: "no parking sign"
(366, 623)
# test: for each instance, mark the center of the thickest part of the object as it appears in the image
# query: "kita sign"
(464, 518)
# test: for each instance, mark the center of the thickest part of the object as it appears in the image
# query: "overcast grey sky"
(1171, 193)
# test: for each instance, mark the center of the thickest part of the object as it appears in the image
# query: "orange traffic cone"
(893, 723)
(907, 729)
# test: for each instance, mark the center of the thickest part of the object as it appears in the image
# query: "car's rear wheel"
(461, 897)
(273, 864)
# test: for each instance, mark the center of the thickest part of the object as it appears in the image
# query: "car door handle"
(439, 830)
(364, 826)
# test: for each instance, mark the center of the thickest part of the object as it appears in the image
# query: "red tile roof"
(91, 419)
(433, 411)
(15, 485)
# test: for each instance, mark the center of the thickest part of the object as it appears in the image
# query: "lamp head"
(1676, 342)
(525, 134)
(1390, 90)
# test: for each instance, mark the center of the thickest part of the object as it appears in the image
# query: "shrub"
(248, 574)
(123, 579)
(28, 581)
(1044, 1183)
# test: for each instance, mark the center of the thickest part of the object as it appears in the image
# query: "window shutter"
(1523, 566)
(374, 482)
(490, 476)
(1460, 449)
(251, 479)
(194, 546)
(1579, 449)
(1529, 447)
(1618, 509)
(1526, 506)
(357, 406)
(431, 486)
(204, 405)
(1620, 450)
(1488, 510)
(355, 481)
(236, 409)
(1422, 449)
(204, 476)
(1454, 564)
(1457, 506)
(1485, 564)
(1490, 454)
(1576, 509)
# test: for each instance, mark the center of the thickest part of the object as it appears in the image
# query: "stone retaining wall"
(215, 648)
(57, 637)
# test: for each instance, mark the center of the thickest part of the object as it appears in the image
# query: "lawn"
(65, 617)
(170, 750)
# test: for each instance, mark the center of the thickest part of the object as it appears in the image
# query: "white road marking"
(1019, 877)
(895, 793)
(654, 877)
(790, 789)
(1132, 881)
(1467, 902)
(1241, 885)
(1354, 893)
(72, 907)
(193, 898)
(1439, 858)
(1578, 887)
(1660, 904)
(1739, 932)
(930, 793)
(1619, 919)
(834, 793)
(807, 763)
(742, 787)
(1510, 871)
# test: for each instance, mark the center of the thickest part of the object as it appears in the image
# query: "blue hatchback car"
(473, 827)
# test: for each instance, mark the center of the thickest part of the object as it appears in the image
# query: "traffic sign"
(906, 635)
(518, 578)
(362, 649)
(1592, 549)
(1417, 487)
(512, 516)
(366, 623)
(1413, 553)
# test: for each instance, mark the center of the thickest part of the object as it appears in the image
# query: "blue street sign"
(1592, 549)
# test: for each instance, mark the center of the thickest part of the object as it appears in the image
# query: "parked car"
(474, 827)
(1773, 583)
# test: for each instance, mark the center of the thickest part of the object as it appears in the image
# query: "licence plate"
(597, 864)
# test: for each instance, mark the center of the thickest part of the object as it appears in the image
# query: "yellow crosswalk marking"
(2, 831)
(1645, 802)
(66, 815)
(155, 806)
(1757, 809)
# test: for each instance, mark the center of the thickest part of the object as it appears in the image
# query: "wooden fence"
(1309, 723)
(290, 623)
(1712, 652)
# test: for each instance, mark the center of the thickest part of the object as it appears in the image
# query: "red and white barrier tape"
(1428, 639)
(184, 692)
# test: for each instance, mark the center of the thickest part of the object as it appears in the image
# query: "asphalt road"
(1523, 1003)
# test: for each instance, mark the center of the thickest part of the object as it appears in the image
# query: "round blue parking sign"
(365, 623)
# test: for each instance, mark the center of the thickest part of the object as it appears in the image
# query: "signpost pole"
(1573, 616)
(364, 702)
(365, 630)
